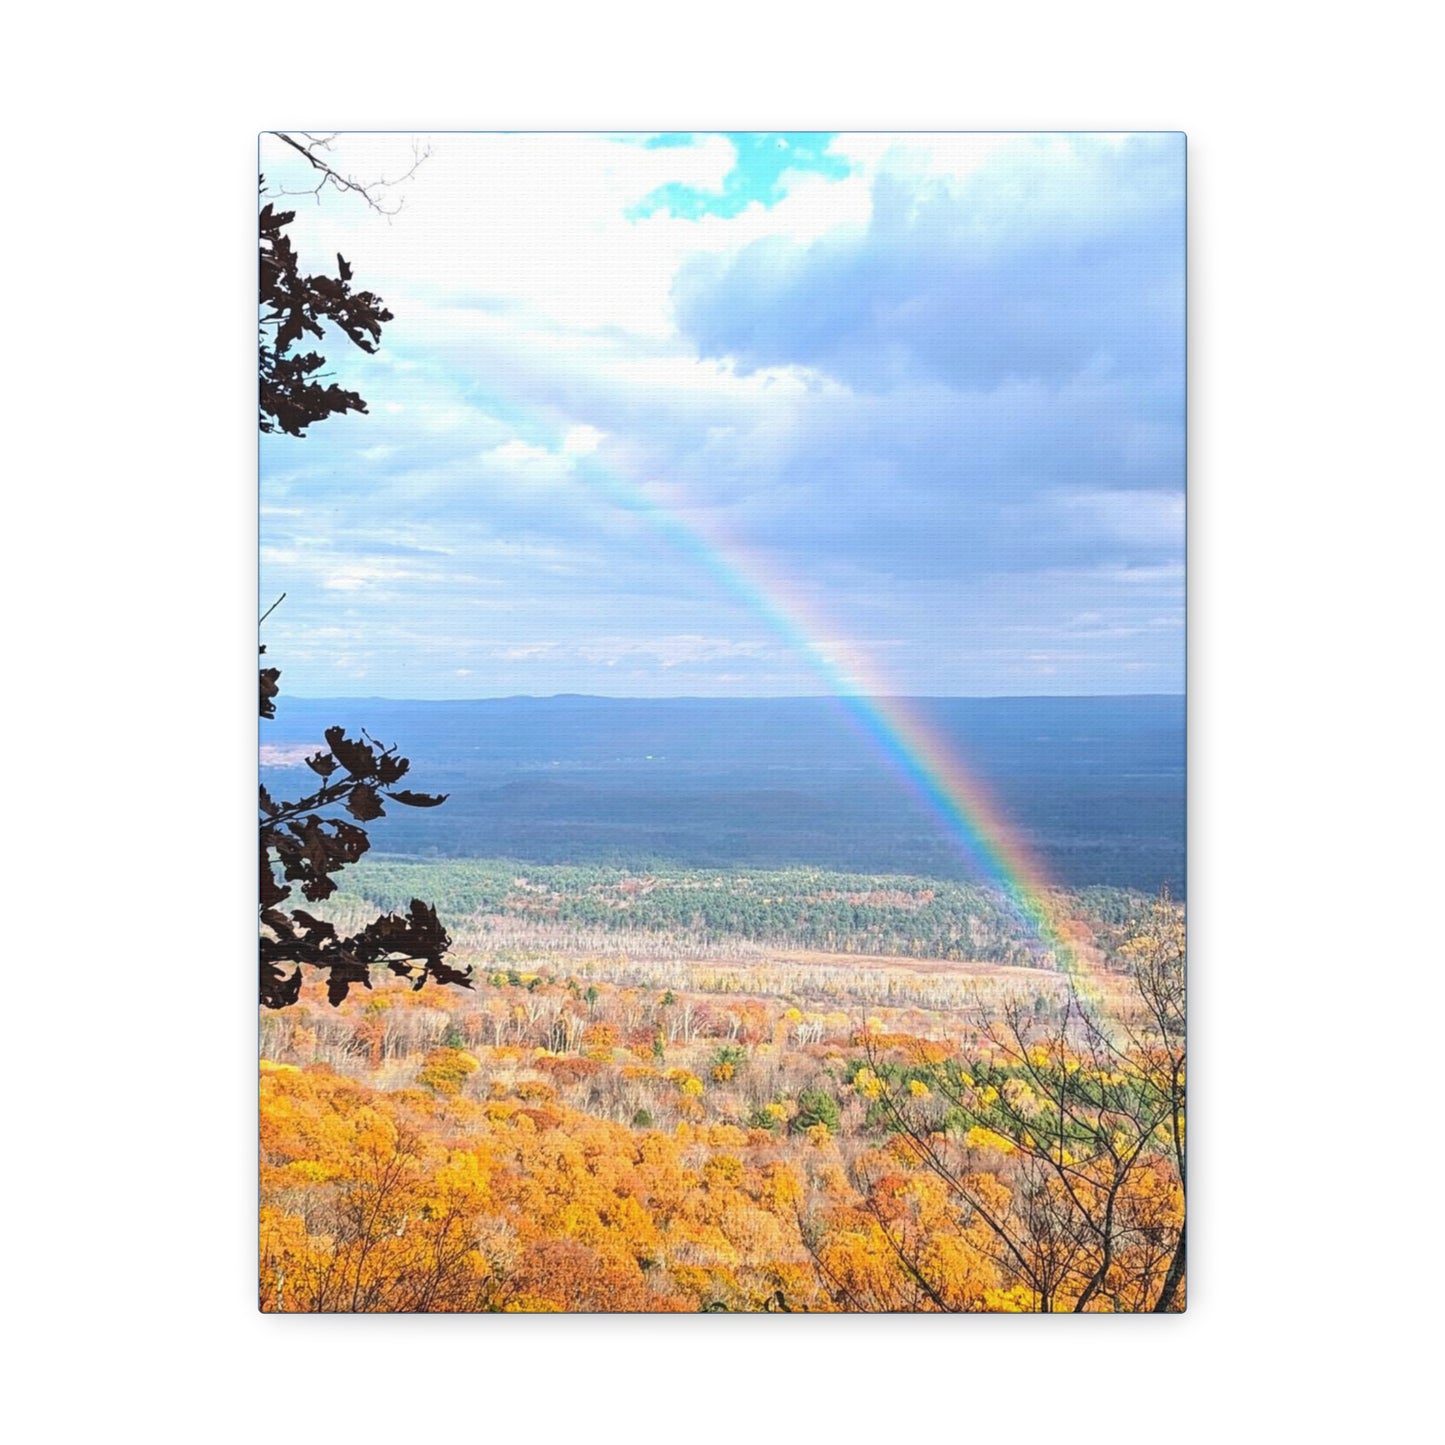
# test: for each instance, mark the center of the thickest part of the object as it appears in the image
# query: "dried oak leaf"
(277, 988)
(313, 930)
(269, 688)
(417, 800)
(390, 768)
(356, 757)
(363, 804)
(343, 974)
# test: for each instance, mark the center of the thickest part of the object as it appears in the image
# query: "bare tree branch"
(314, 147)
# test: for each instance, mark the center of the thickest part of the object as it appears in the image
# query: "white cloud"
(539, 221)
(667, 652)
(518, 451)
(533, 391)
(581, 441)
(954, 155)
(1152, 519)
(353, 576)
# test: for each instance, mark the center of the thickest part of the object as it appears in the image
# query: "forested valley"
(701, 1091)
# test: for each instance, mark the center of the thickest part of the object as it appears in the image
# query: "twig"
(309, 145)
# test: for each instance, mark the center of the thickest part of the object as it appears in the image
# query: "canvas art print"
(722, 722)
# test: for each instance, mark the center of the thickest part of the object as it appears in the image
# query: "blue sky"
(921, 394)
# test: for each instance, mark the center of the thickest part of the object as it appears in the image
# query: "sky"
(742, 415)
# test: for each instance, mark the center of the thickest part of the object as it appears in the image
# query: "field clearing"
(952, 967)
(912, 943)
(953, 989)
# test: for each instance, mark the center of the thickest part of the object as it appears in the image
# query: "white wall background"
(130, 574)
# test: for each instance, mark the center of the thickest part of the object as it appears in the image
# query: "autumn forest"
(749, 1125)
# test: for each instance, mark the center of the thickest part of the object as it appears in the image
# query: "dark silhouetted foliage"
(307, 847)
(292, 306)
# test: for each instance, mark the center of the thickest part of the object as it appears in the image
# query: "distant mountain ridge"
(1095, 785)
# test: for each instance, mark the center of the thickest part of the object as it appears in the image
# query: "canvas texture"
(722, 742)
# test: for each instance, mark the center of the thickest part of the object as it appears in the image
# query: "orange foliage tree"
(1058, 1145)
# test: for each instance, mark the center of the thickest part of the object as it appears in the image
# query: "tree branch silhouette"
(304, 843)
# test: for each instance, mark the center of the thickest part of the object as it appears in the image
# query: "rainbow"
(912, 746)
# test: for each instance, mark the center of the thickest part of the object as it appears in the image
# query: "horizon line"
(727, 697)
